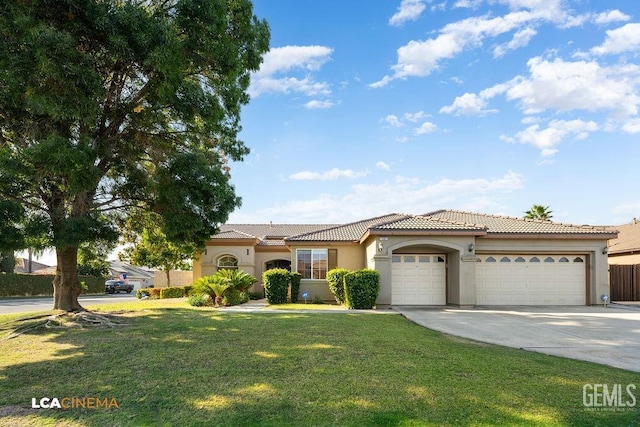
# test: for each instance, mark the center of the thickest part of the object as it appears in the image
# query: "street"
(22, 305)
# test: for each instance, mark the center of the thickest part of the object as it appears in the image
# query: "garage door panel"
(531, 280)
(418, 280)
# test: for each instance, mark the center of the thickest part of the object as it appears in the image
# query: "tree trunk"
(66, 287)
(168, 272)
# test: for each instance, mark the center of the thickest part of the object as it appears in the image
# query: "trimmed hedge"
(151, 292)
(335, 279)
(276, 285)
(295, 279)
(361, 289)
(175, 292)
(13, 284)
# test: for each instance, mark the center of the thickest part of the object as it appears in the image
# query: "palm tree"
(539, 212)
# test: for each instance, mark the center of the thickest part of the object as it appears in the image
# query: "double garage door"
(505, 279)
(501, 279)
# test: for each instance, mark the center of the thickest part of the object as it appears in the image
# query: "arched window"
(578, 259)
(564, 259)
(505, 259)
(520, 259)
(228, 261)
(549, 259)
(490, 259)
(534, 259)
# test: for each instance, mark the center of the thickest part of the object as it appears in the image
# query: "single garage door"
(541, 279)
(418, 279)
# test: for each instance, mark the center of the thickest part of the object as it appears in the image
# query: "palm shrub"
(212, 286)
(237, 279)
(361, 288)
(335, 279)
(276, 284)
(295, 279)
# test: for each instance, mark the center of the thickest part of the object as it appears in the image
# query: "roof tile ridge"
(451, 221)
(394, 220)
(340, 226)
(536, 220)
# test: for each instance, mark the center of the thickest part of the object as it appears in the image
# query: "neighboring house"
(139, 277)
(442, 257)
(22, 266)
(625, 249)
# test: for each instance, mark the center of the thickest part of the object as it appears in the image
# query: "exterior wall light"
(605, 250)
(471, 247)
(380, 246)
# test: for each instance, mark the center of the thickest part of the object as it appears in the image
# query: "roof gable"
(628, 239)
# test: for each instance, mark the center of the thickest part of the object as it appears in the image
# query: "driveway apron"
(605, 335)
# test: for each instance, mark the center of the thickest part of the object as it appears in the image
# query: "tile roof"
(496, 224)
(441, 220)
(628, 239)
(266, 234)
(345, 233)
(417, 222)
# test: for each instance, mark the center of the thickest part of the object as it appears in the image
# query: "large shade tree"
(112, 105)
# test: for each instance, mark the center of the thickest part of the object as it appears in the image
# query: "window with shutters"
(314, 263)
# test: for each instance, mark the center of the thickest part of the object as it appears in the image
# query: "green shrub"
(175, 292)
(256, 295)
(317, 300)
(276, 284)
(361, 288)
(12, 284)
(234, 297)
(295, 279)
(199, 300)
(187, 290)
(335, 279)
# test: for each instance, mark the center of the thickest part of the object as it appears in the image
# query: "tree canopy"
(539, 212)
(112, 105)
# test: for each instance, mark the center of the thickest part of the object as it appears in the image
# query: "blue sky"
(363, 108)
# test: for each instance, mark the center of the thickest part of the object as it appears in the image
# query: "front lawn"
(179, 366)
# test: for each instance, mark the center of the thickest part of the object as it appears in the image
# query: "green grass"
(179, 366)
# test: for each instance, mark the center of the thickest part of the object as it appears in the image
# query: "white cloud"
(403, 194)
(316, 104)
(610, 16)
(426, 127)
(331, 175)
(279, 61)
(468, 104)
(520, 39)
(623, 39)
(384, 166)
(414, 117)
(580, 85)
(421, 58)
(409, 10)
(557, 130)
(631, 126)
(393, 120)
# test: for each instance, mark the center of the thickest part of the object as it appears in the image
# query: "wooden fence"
(625, 282)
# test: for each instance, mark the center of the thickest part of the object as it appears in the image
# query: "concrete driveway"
(609, 336)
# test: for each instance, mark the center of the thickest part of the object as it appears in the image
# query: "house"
(139, 277)
(22, 266)
(438, 258)
(625, 249)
